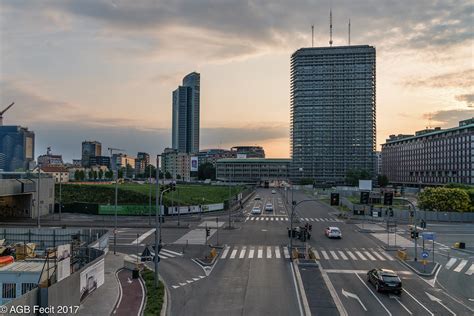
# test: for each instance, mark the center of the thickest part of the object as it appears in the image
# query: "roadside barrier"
(402, 254)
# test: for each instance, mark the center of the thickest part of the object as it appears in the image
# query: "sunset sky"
(105, 69)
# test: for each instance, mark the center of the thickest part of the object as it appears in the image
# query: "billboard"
(91, 278)
(365, 185)
(241, 156)
(194, 164)
(63, 261)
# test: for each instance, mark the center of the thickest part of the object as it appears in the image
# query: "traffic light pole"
(156, 219)
(415, 223)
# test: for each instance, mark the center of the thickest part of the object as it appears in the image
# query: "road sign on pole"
(425, 254)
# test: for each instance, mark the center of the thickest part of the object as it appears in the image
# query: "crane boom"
(1, 113)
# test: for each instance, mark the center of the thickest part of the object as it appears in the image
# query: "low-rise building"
(248, 151)
(177, 164)
(59, 174)
(212, 155)
(431, 156)
(252, 170)
(99, 161)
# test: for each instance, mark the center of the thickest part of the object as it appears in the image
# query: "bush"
(444, 200)
(154, 297)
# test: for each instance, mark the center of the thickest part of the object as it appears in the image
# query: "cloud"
(468, 98)
(462, 79)
(449, 118)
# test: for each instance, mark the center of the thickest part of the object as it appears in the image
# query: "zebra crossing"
(353, 254)
(286, 219)
(254, 252)
(458, 266)
(164, 254)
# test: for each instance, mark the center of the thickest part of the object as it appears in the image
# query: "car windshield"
(390, 278)
(335, 231)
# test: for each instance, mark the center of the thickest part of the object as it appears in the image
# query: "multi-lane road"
(253, 274)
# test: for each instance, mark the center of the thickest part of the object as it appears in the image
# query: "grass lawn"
(154, 297)
(185, 194)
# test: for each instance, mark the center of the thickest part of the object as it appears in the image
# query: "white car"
(256, 210)
(273, 192)
(269, 207)
(333, 232)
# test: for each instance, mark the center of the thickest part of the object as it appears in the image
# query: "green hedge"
(154, 296)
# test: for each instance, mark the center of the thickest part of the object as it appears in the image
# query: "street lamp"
(157, 242)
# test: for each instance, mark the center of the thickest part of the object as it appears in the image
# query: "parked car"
(256, 210)
(333, 232)
(385, 280)
(269, 207)
(273, 191)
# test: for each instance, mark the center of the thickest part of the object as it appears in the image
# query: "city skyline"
(117, 90)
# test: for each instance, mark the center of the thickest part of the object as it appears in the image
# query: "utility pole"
(156, 218)
(60, 195)
(149, 194)
(111, 150)
(38, 208)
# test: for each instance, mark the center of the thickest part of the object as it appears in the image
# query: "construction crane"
(1, 113)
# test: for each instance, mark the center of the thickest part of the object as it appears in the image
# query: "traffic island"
(209, 259)
(422, 267)
(154, 296)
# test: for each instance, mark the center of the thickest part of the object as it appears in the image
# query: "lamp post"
(156, 218)
(60, 195)
(149, 194)
(115, 213)
(38, 209)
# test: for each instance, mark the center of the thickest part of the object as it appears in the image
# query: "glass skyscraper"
(17, 148)
(333, 123)
(186, 109)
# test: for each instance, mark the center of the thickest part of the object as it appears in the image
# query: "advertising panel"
(63, 258)
(194, 164)
(241, 156)
(91, 278)
(365, 185)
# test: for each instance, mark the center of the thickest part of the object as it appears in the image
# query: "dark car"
(385, 280)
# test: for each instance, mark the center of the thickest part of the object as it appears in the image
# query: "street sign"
(428, 235)
(425, 254)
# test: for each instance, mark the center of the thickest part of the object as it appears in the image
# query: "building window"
(9, 290)
(26, 287)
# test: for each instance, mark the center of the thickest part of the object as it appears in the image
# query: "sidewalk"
(102, 301)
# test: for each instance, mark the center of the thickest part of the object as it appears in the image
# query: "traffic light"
(414, 235)
(412, 213)
(423, 224)
(391, 212)
(364, 197)
(388, 198)
(334, 198)
(208, 232)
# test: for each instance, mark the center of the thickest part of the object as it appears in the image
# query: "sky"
(105, 69)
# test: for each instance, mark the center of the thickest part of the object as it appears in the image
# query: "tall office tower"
(90, 149)
(332, 112)
(186, 109)
(17, 148)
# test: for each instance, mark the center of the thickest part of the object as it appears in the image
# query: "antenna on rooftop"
(330, 27)
(312, 35)
(349, 29)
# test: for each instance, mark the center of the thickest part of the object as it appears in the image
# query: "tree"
(354, 175)
(120, 173)
(77, 175)
(178, 177)
(167, 175)
(82, 175)
(206, 171)
(95, 174)
(129, 171)
(444, 200)
(382, 180)
(101, 174)
(91, 174)
(109, 174)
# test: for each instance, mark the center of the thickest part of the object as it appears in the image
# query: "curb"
(142, 307)
(204, 264)
(425, 274)
(166, 296)
(463, 250)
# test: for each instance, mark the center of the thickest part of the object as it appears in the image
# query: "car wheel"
(399, 292)
(377, 287)
(368, 279)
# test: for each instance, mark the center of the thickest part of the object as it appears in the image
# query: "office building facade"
(186, 112)
(90, 149)
(431, 156)
(177, 164)
(213, 155)
(333, 123)
(142, 162)
(248, 151)
(17, 148)
(252, 170)
(99, 161)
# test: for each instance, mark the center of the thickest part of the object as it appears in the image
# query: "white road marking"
(142, 237)
(312, 219)
(364, 272)
(260, 253)
(450, 263)
(325, 255)
(286, 253)
(326, 219)
(172, 252)
(196, 279)
(389, 257)
(202, 276)
(189, 281)
(378, 255)
(369, 256)
(373, 294)
(182, 284)
(251, 253)
(353, 257)
(435, 299)
(301, 219)
(269, 252)
(334, 255)
(343, 256)
(398, 300)
(360, 255)
(286, 219)
(460, 266)
(232, 255)
(225, 252)
(321, 219)
(242, 252)
(349, 294)
(175, 286)
(252, 218)
(277, 252)
(470, 271)
(316, 254)
(419, 303)
(316, 219)
(271, 218)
